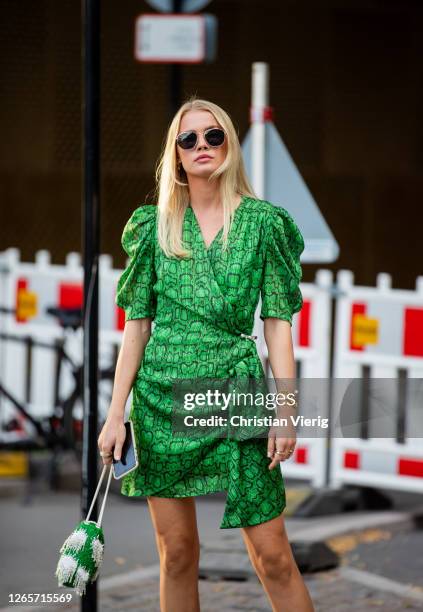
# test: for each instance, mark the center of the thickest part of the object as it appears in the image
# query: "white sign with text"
(170, 38)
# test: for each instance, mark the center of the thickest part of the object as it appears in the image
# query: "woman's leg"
(178, 544)
(271, 555)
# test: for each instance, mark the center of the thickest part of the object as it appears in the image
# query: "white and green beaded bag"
(82, 552)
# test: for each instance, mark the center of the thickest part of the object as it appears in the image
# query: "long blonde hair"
(172, 191)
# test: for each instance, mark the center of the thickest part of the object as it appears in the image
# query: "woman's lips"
(203, 159)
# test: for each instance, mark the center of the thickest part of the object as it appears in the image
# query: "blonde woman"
(199, 261)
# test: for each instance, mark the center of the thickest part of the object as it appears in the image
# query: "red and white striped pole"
(260, 113)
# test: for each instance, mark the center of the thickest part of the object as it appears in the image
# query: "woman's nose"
(201, 141)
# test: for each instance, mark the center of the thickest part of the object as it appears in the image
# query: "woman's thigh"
(174, 521)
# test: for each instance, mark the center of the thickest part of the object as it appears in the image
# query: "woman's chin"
(201, 173)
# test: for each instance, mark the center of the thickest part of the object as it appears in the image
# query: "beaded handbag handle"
(100, 517)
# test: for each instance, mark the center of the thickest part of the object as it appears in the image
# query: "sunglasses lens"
(187, 140)
(215, 137)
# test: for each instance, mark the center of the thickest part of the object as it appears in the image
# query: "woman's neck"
(204, 195)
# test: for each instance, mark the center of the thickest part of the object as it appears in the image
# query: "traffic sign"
(175, 38)
(285, 186)
(275, 177)
(187, 6)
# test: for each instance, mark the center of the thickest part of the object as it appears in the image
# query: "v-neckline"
(200, 233)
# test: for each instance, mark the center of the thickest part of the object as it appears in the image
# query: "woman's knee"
(275, 565)
(179, 554)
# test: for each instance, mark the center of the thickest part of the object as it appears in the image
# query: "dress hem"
(138, 493)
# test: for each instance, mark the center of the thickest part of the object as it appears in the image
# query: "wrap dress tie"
(203, 309)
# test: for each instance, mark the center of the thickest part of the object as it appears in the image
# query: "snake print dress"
(203, 308)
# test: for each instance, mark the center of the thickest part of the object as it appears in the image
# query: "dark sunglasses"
(214, 137)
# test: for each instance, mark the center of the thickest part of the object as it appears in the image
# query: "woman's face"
(199, 120)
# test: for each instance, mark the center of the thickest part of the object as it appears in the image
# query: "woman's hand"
(283, 440)
(112, 438)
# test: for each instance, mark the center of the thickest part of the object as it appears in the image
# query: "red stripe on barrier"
(120, 318)
(410, 467)
(304, 324)
(413, 332)
(352, 460)
(357, 308)
(301, 454)
(71, 295)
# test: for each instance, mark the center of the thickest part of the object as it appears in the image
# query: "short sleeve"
(280, 293)
(134, 292)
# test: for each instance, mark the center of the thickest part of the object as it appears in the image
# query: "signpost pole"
(259, 102)
(175, 73)
(91, 233)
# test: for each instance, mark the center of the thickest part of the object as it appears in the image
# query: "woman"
(198, 262)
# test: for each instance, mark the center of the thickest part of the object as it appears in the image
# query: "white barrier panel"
(311, 340)
(379, 334)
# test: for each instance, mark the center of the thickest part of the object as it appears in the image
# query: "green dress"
(201, 306)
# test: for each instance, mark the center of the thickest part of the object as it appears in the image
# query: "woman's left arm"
(278, 337)
(281, 298)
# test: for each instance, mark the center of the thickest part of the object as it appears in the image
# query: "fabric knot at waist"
(246, 380)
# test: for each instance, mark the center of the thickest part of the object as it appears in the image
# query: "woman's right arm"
(135, 337)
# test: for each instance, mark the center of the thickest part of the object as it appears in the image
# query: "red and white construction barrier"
(39, 285)
(379, 335)
(30, 288)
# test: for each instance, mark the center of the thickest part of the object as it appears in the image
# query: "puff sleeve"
(134, 291)
(280, 292)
